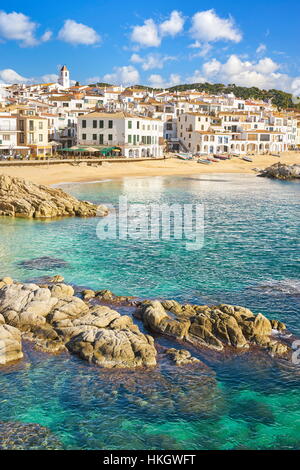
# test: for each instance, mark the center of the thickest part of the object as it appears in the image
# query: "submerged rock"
(215, 327)
(281, 171)
(21, 198)
(288, 287)
(27, 436)
(181, 357)
(44, 263)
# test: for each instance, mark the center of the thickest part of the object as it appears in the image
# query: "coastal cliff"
(22, 198)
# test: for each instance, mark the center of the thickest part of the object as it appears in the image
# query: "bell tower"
(64, 77)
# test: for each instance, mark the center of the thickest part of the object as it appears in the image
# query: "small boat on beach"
(247, 159)
(221, 157)
(184, 156)
(275, 154)
(212, 159)
(204, 161)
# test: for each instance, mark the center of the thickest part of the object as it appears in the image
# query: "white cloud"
(262, 74)
(126, 75)
(151, 61)
(150, 34)
(212, 67)
(49, 78)
(136, 59)
(266, 66)
(78, 33)
(261, 49)
(197, 77)
(295, 87)
(10, 76)
(208, 26)
(172, 26)
(18, 27)
(46, 36)
(204, 49)
(157, 81)
(146, 35)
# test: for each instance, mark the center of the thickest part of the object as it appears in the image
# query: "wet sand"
(68, 173)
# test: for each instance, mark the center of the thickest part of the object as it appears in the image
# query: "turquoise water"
(250, 257)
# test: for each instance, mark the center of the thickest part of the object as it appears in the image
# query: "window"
(83, 136)
(129, 124)
(40, 137)
(129, 139)
(40, 125)
(31, 125)
(110, 124)
(148, 140)
(169, 126)
(101, 138)
(84, 124)
(94, 136)
(21, 125)
(6, 137)
(94, 124)
(138, 124)
(21, 138)
(110, 137)
(101, 124)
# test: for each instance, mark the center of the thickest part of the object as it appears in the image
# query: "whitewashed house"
(135, 136)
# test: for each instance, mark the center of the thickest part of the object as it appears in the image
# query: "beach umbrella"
(54, 143)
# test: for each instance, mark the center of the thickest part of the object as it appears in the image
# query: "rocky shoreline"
(56, 320)
(281, 171)
(21, 198)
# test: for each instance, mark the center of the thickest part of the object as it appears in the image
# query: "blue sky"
(157, 43)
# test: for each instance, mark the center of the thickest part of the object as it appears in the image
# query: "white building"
(8, 132)
(64, 77)
(135, 136)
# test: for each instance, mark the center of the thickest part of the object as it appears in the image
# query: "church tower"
(64, 77)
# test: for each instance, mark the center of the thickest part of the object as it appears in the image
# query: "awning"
(107, 150)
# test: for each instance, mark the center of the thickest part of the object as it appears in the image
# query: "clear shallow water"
(250, 257)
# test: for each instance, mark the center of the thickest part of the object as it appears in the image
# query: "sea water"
(250, 257)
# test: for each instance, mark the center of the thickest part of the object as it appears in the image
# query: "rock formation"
(215, 327)
(281, 171)
(21, 198)
(55, 320)
(10, 343)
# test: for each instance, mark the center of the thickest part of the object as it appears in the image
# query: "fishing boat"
(212, 159)
(221, 157)
(204, 161)
(275, 154)
(184, 156)
(247, 159)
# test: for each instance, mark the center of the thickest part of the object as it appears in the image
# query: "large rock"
(212, 326)
(55, 320)
(21, 198)
(114, 348)
(281, 171)
(156, 319)
(10, 344)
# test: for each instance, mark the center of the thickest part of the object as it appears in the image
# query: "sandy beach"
(55, 174)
